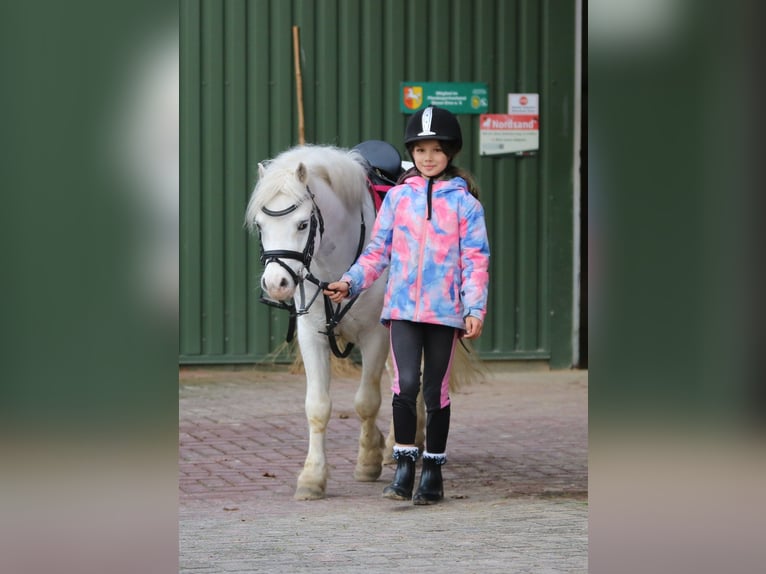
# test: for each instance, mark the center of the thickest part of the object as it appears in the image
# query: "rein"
(333, 316)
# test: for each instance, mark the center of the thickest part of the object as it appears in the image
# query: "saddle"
(384, 167)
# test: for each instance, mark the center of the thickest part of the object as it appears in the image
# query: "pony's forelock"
(342, 170)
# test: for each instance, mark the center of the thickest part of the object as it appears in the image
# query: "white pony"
(312, 209)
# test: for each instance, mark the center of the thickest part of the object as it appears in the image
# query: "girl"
(430, 233)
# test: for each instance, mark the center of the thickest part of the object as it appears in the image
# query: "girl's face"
(429, 157)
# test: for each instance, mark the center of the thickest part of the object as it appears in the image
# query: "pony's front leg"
(312, 480)
(369, 462)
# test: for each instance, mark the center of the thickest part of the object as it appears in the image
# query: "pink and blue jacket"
(438, 268)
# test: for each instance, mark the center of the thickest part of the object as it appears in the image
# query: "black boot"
(431, 487)
(404, 478)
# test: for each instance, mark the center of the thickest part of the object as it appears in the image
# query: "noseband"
(278, 256)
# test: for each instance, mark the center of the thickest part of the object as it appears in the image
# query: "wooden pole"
(299, 85)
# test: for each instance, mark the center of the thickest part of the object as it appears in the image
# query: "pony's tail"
(467, 367)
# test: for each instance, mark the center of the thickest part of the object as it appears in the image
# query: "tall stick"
(299, 85)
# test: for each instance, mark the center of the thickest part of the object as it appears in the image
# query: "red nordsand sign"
(509, 122)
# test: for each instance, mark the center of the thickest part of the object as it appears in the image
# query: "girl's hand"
(337, 291)
(473, 327)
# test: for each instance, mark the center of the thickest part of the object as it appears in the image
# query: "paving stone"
(516, 480)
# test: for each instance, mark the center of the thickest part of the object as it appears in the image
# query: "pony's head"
(283, 212)
(284, 209)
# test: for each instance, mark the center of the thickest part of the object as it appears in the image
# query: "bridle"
(279, 255)
(333, 316)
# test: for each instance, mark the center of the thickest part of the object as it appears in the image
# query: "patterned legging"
(434, 346)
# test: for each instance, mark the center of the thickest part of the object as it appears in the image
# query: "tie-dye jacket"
(438, 268)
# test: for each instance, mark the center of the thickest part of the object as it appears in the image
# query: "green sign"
(457, 97)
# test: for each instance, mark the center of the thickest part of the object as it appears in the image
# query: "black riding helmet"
(434, 123)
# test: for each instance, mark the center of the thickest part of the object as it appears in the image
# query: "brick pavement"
(515, 482)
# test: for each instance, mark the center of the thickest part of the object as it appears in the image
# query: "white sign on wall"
(524, 104)
(517, 131)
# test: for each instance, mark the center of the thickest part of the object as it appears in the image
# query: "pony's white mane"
(344, 171)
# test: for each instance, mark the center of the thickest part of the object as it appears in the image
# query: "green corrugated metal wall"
(239, 106)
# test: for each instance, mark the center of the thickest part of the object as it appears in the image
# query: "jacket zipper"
(419, 281)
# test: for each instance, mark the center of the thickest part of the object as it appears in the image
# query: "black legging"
(435, 345)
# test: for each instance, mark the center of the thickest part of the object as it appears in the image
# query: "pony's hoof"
(308, 493)
(369, 473)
